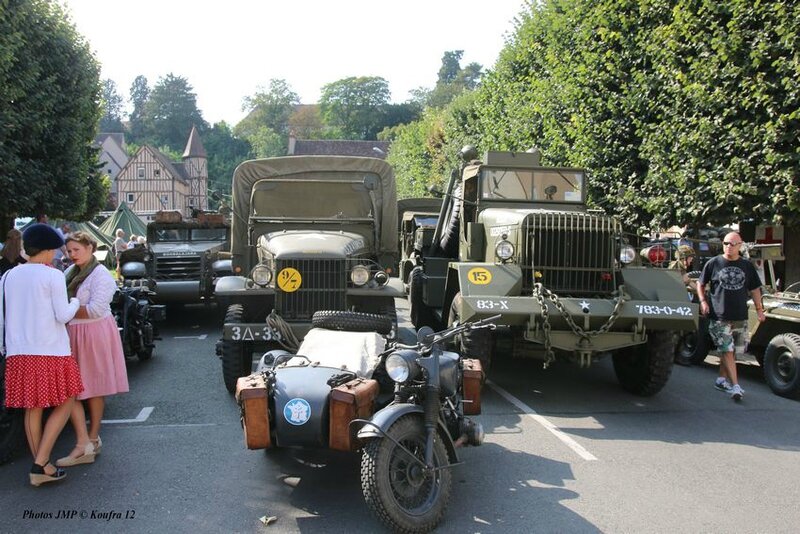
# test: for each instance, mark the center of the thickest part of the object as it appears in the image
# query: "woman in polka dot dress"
(40, 369)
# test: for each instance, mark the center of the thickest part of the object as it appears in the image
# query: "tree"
(49, 104)
(267, 143)
(225, 152)
(452, 80)
(111, 121)
(271, 108)
(140, 93)
(170, 113)
(355, 104)
(305, 122)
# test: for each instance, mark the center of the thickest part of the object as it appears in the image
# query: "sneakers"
(722, 384)
(737, 393)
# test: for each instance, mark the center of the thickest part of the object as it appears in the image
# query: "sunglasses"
(730, 243)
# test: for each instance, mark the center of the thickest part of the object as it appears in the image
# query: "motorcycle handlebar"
(443, 335)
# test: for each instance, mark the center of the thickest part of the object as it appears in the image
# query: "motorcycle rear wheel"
(396, 488)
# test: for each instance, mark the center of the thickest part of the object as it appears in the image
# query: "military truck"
(517, 239)
(183, 257)
(308, 233)
(417, 221)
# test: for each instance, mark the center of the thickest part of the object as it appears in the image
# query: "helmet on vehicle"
(684, 251)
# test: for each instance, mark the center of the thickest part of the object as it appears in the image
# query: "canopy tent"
(123, 217)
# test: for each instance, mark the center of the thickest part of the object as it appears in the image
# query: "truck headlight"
(627, 254)
(401, 366)
(261, 275)
(359, 275)
(504, 250)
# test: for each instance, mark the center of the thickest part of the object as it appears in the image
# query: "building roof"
(194, 147)
(176, 167)
(339, 147)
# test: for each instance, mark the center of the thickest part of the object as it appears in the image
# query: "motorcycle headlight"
(261, 275)
(402, 366)
(627, 254)
(504, 250)
(359, 275)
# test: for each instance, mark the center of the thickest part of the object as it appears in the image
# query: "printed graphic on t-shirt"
(731, 278)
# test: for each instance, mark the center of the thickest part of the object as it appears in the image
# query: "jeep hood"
(304, 244)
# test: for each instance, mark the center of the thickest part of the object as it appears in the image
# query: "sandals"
(38, 475)
(98, 444)
(86, 458)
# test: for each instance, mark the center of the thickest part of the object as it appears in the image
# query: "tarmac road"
(566, 451)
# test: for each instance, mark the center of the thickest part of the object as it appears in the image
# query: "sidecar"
(310, 399)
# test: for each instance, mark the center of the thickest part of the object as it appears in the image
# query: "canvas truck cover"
(250, 172)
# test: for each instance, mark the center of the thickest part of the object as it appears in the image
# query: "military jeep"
(183, 257)
(308, 234)
(417, 220)
(517, 239)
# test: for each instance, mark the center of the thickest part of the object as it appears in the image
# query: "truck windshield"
(172, 234)
(541, 185)
(209, 234)
(312, 199)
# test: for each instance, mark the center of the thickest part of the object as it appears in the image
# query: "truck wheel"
(352, 321)
(782, 365)
(644, 369)
(476, 344)
(420, 314)
(237, 358)
(693, 347)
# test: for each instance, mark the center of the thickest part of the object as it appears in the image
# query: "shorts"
(728, 336)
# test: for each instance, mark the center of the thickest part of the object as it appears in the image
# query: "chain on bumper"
(541, 293)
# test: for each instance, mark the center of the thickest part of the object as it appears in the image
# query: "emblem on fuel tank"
(297, 411)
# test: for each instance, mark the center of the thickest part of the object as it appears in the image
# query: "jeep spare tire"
(449, 240)
(352, 321)
(237, 356)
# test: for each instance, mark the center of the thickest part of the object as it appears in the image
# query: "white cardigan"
(37, 309)
(95, 293)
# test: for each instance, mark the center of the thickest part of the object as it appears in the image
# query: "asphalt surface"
(566, 451)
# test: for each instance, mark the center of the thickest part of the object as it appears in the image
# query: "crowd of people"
(61, 343)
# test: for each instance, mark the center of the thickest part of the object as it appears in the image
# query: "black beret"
(42, 236)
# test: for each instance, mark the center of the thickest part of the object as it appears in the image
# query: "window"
(157, 173)
(140, 172)
(130, 198)
(191, 202)
(164, 199)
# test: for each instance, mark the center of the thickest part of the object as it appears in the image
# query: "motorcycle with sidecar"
(136, 316)
(403, 407)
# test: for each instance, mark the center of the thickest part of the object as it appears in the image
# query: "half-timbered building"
(150, 182)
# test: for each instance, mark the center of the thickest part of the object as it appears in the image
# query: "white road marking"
(527, 410)
(202, 336)
(141, 418)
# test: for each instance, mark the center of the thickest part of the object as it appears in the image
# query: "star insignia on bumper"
(584, 305)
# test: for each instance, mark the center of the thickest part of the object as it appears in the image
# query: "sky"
(229, 49)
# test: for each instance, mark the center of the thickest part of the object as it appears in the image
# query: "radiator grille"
(323, 287)
(573, 252)
(178, 267)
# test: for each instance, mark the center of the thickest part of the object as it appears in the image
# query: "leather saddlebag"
(252, 396)
(352, 400)
(473, 380)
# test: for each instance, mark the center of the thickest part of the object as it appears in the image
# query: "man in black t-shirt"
(731, 281)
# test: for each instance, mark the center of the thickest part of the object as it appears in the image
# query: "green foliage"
(111, 121)
(170, 112)
(49, 111)
(225, 152)
(140, 93)
(270, 108)
(267, 143)
(355, 106)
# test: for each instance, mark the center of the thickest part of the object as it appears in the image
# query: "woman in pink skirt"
(95, 341)
(40, 369)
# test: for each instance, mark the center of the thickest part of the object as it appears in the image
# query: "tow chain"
(540, 293)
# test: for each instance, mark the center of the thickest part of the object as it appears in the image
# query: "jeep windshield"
(539, 185)
(172, 235)
(314, 199)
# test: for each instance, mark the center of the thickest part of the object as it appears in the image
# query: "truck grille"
(178, 267)
(323, 287)
(573, 253)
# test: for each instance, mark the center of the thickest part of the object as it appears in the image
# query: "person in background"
(120, 243)
(133, 240)
(11, 256)
(684, 257)
(40, 369)
(95, 341)
(731, 280)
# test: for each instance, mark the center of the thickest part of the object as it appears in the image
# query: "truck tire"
(237, 357)
(692, 347)
(782, 365)
(477, 344)
(644, 369)
(352, 321)
(420, 314)
(448, 243)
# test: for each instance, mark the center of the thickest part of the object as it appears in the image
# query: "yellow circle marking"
(289, 280)
(479, 276)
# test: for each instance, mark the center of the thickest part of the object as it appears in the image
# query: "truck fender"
(490, 279)
(647, 283)
(220, 267)
(133, 269)
(230, 284)
(385, 418)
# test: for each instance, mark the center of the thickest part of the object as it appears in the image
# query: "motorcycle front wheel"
(396, 487)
